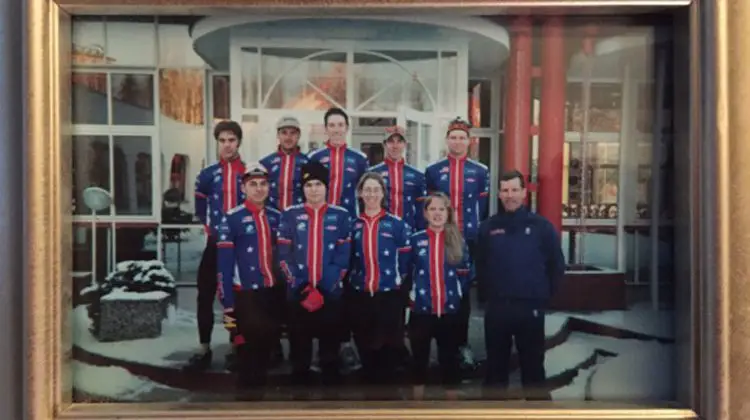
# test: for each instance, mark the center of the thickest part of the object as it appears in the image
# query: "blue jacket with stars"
(345, 167)
(218, 189)
(406, 191)
(247, 248)
(437, 285)
(315, 248)
(381, 253)
(467, 183)
(285, 177)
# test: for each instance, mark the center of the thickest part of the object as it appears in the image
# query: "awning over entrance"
(488, 42)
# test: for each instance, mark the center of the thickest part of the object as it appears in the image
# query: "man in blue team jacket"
(519, 265)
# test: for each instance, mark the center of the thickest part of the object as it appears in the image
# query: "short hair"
(335, 111)
(511, 175)
(228, 125)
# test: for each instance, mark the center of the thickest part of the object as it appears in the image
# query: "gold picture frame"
(718, 336)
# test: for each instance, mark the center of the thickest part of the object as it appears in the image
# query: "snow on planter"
(131, 302)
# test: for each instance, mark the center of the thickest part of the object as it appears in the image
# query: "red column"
(518, 100)
(552, 122)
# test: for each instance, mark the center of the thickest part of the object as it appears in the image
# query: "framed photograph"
(205, 233)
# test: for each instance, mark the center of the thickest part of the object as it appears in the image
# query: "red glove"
(207, 230)
(312, 300)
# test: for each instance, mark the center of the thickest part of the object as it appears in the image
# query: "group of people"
(339, 251)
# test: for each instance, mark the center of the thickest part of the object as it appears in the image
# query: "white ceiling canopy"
(488, 41)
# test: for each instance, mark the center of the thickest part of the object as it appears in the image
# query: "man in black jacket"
(519, 264)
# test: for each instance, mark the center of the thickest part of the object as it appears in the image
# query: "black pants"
(207, 286)
(519, 321)
(465, 309)
(377, 325)
(445, 330)
(256, 312)
(323, 324)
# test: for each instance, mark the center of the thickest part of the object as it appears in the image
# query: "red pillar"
(518, 100)
(552, 122)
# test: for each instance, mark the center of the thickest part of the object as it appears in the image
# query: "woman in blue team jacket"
(379, 267)
(440, 271)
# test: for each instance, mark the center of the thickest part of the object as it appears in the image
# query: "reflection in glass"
(181, 251)
(449, 64)
(480, 105)
(131, 40)
(89, 41)
(89, 98)
(181, 95)
(386, 79)
(221, 97)
(176, 44)
(90, 168)
(303, 79)
(133, 181)
(604, 110)
(132, 99)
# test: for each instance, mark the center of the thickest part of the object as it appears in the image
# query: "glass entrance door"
(420, 135)
(260, 132)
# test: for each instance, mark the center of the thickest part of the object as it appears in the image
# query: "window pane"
(176, 44)
(303, 79)
(221, 98)
(183, 141)
(182, 250)
(383, 80)
(132, 99)
(480, 103)
(604, 108)
(133, 189)
(90, 169)
(89, 40)
(89, 98)
(449, 64)
(134, 242)
(131, 41)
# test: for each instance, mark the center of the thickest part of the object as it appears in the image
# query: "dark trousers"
(504, 323)
(207, 286)
(445, 330)
(323, 324)
(256, 312)
(377, 326)
(465, 309)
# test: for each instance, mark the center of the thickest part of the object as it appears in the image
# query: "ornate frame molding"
(717, 220)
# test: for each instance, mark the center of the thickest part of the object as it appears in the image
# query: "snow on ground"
(639, 318)
(640, 370)
(178, 340)
(116, 383)
(643, 373)
(576, 391)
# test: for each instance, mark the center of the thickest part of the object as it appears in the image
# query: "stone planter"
(131, 316)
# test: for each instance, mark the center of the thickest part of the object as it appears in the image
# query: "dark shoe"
(199, 362)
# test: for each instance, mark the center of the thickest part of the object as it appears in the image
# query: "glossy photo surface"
(569, 298)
